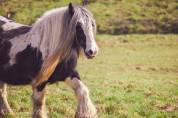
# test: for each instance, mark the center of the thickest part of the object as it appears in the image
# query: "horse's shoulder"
(10, 29)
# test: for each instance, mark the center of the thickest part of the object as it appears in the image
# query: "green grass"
(112, 16)
(134, 76)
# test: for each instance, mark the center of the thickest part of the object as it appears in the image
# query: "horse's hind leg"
(4, 106)
(85, 107)
(38, 98)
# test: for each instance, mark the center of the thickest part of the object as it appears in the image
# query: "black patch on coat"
(15, 32)
(27, 66)
(81, 38)
(1, 30)
(75, 74)
(42, 86)
(4, 51)
(2, 23)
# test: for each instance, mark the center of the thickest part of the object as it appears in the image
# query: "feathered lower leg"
(39, 108)
(85, 108)
(4, 106)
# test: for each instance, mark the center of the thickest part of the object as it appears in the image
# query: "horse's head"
(85, 29)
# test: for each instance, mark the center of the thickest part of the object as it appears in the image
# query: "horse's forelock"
(86, 16)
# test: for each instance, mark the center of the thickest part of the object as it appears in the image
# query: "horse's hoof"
(39, 115)
(86, 115)
(6, 113)
(86, 111)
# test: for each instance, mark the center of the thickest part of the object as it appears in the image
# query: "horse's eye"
(79, 24)
(93, 25)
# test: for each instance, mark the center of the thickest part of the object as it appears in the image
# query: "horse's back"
(4, 20)
(10, 29)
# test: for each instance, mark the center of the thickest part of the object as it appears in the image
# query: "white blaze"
(90, 38)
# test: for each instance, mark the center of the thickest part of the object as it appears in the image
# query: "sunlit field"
(133, 76)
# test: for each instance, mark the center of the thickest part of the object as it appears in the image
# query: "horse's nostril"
(90, 52)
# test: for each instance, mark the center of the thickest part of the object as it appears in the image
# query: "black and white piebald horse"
(46, 53)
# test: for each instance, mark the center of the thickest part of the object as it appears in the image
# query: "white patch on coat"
(90, 41)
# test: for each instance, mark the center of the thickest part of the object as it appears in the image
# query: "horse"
(47, 52)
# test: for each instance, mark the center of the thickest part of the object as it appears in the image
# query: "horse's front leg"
(4, 106)
(38, 98)
(85, 108)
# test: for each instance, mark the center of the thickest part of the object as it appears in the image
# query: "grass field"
(134, 76)
(112, 16)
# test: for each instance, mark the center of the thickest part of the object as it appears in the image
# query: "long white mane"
(54, 33)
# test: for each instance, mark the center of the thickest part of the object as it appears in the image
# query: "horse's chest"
(47, 71)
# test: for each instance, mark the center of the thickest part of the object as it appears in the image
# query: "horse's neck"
(47, 34)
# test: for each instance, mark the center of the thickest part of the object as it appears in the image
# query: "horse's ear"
(71, 9)
(85, 2)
